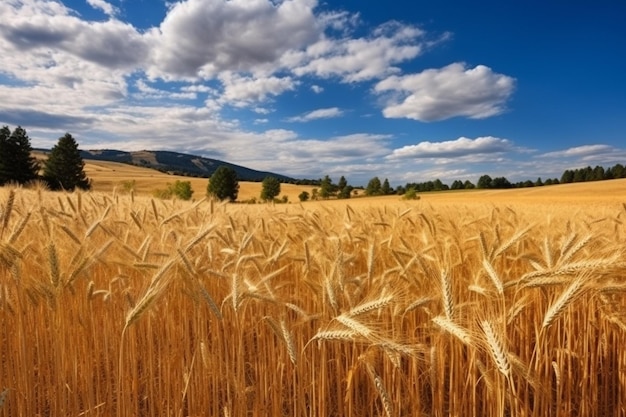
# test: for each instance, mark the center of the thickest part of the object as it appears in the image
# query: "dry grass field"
(110, 176)
(500, 303)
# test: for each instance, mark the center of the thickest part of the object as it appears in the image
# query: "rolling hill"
(178, 163)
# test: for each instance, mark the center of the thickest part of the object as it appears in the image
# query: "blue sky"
(405, 90)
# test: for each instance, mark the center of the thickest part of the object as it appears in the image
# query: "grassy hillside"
(107, 176)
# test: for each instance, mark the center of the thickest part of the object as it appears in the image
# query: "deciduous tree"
(223, 184)
(270, 188)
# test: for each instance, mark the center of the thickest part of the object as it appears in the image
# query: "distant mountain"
(179, 163)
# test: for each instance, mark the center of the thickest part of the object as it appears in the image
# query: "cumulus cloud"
(453, 148)
(48, 28)
(241, 91)
(317, 89)
(204, 37)
(328, 113)
(361, 59)
(454, 90)
(105, 6)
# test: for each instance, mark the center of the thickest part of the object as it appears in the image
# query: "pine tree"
(64, 168)
(386, 188)
(16, 163)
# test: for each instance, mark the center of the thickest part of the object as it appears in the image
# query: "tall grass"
(126, 306)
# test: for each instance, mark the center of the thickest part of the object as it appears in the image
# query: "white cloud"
(146, 91)
(328, 113)
(454, 90)
(355, 60)
(47, 28)
(453, 148)
(242, 91)
(317, 89)
(580, 151)
(105, 6)
(201, 38)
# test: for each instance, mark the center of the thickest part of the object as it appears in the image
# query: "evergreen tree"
(343, 183)
(271, 188)
(223, 184)
(16, 163)
(386, 188)
(567, 177)
(64, 169)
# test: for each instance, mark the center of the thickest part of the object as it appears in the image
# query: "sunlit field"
(484, 303)
(111, 177)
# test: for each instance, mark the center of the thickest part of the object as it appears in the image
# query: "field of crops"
(491, 304)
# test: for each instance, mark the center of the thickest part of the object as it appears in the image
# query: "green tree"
(484, 182)
(343, 183)
(500, 183)
(65, 169)
(223, 184)
(16, 163)
(411, 194)
(270, 188)
(374, 187)
(326, 187)
(457, 185)
(567, 177)
(303, 196)
(468, 185)
(386, 188)
(345, 192)
(181, 189)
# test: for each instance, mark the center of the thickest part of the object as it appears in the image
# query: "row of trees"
(63, 170)
(593, 174)
(224, 185)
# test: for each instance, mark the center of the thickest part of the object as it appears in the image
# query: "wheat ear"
(562, 302)
(453, 328)
(496, 347)
(8, 208)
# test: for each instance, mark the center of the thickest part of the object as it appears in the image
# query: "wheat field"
(459, 304)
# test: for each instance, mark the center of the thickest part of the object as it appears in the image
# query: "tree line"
(62, 170)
